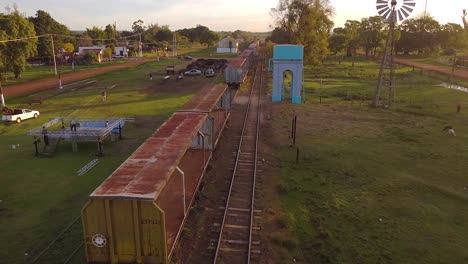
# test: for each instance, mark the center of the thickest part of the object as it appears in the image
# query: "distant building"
(228, 45)
(121, 51)
(99, 50)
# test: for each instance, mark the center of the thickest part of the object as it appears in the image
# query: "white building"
(121, 51)
(228, 45)
(82, 50)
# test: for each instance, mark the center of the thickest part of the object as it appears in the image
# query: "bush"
(90, 58)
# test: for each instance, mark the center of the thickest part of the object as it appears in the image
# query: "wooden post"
(295, 129)
(297, 155)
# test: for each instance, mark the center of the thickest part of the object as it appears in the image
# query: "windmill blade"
(409, 9)
(386, 15)
(399, 15)
(381, 12)
(409, 4)
(404, 13)
(381, 6)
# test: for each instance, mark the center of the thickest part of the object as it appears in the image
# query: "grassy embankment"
(371, 185)
(41, 196)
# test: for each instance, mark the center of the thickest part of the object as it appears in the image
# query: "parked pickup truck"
(18, 115)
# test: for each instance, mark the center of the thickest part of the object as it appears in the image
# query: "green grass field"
(371, 185)
(40, 196)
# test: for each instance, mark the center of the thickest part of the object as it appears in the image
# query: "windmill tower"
(393, 12)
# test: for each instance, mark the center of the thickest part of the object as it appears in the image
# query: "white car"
(193, 72)
(19, 115)
(209, 73)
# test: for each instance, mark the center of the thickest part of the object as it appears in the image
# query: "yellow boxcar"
(124, 231)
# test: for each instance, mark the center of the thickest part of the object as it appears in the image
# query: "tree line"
(308, 23)
(41, 36)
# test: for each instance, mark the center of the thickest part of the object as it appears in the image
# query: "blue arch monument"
(288, 58)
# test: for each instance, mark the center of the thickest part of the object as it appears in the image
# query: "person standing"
(104, 96)
(45, 133)
(73, 125)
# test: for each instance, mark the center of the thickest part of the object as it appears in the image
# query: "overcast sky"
(249, 15)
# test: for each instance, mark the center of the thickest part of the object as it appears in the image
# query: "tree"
(351, 30)
(111, 33)
(419, 34)
(452, 36)
(45, 24)
(338, 41)
(96, 34)
(306, 22)
(15, 53)
(107, 53)
(90, 57)
(138, 27)
(371, 33)
(199, 34)
(68, 47)
(279, 36)
(209, 38)
(84, 40)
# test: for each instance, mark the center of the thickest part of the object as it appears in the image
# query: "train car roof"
(145, 173)
(236, 63)
(206, 99)
(245, 53)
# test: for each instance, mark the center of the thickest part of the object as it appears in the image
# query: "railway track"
(235, 243)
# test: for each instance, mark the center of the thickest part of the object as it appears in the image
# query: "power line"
(21, 39)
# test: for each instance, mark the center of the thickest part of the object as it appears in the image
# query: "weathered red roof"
(245, 54)
(236, 63)
(206, 99)
(145, 173)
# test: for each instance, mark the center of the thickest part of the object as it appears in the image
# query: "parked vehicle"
(193, 72)
(209, 73)
(18, 115)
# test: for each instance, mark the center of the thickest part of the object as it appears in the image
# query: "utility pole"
(174, 45)
(53, 54)
(140, 46)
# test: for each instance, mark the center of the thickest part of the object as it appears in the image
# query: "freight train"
(237, 69)
(137, 214)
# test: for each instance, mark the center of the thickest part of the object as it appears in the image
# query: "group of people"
(45, 133)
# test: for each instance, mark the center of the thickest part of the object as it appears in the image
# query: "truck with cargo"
(18, 115)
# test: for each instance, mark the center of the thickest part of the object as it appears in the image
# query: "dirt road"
(51, 83)
(463, 74)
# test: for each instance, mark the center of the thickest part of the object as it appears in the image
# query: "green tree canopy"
(419, 34)
(371, 34)
(306, 22)
(96, 34)
(200, 34)
(45, 24)
(111, 33)
(14, 54)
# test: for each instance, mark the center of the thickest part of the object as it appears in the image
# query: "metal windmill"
(393, 13)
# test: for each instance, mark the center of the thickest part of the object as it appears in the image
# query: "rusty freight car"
(137, 214)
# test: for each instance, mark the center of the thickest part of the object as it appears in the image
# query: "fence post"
(295, 129)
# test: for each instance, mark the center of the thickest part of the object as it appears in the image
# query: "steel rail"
(259, 110)
(226, 209)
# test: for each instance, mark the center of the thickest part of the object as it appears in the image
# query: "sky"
(218, 15)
